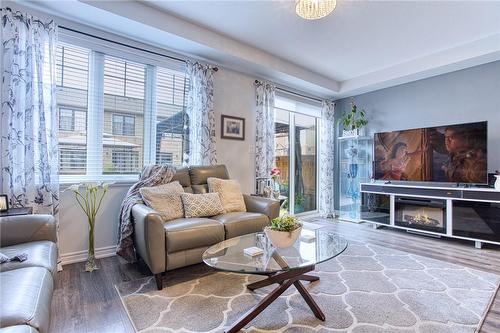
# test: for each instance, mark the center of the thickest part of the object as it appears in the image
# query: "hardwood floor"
(88, 302)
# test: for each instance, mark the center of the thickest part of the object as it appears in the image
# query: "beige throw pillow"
(230, 194)
(165, 199)
(201, 205)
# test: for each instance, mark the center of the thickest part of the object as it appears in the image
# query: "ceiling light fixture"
(314, 9)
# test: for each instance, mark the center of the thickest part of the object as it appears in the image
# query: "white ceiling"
(360, 37)
(362, 46)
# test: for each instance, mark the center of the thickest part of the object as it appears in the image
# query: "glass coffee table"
(284, 266)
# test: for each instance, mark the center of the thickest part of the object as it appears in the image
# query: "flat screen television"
(453, 153)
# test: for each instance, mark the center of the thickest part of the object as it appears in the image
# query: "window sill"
(66, 181)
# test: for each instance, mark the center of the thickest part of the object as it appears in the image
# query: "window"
(72, 83)
(124, 160)
(72, 120)
(72, 160)
(123, 125)
(116, 115)
(66, 120)
(296, 152)
(171, 92)
(164, 158)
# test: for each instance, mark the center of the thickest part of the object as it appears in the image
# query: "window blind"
(116, 115)
(72, 69)
(123, 143)
(289, 102)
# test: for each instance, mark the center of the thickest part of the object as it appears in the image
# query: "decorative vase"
(497, 182)
(282, 239)
(91, 265)
(352, 132)
(276, 190)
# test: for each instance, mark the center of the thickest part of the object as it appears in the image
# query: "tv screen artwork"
(454, 153)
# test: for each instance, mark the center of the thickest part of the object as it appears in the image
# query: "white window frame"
(314, 111)
(95, 106)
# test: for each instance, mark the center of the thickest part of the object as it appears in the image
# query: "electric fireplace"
(420, 213)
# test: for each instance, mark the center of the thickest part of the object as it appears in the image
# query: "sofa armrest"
(266, 206)
(149, 237)
(27, 228)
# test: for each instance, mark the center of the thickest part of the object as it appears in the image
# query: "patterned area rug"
(367, 289)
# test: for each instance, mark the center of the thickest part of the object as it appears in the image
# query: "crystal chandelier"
(314, 9)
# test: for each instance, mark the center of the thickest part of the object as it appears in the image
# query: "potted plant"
(353, 121)
(283, 231)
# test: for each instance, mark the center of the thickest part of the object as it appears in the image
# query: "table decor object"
(283, 231)
(89, 197)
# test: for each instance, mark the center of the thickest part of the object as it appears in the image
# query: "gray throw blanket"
(18, 257)
(152, 175)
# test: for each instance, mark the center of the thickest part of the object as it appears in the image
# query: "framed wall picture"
(4, 203)
(232, 128)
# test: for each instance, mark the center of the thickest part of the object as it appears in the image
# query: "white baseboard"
(102, 252)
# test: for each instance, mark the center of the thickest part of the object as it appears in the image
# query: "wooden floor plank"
(88, 302)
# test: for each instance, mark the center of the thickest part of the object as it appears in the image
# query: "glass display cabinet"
(355, 167)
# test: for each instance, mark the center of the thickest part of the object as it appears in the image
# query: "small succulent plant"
(285, 223)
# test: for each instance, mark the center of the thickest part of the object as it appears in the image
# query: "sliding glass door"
(296, 156)
(305, 163)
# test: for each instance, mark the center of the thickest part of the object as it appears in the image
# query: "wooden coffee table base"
(285, 280)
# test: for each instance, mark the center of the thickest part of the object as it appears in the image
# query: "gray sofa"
(26, 287)
(165, 246)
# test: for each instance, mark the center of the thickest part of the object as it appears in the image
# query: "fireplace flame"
(422, 217)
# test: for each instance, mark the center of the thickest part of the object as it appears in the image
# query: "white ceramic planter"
(354, 132)
(281, 239)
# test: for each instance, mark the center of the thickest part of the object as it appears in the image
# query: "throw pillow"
(165, 199)
(201, 205)
(230, 194)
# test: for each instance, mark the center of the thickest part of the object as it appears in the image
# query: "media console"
(467, 213)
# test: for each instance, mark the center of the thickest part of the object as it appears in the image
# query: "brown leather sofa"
(165, 246)
(26, 287)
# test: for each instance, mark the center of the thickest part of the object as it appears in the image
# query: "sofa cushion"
(230, 194)
(40, 254)
(200, 174)
(201, 205)
(165, 199)
(18, 329)
(200, 189)
(26, 294)
(189, 233)
(237, 224)
(182, 176)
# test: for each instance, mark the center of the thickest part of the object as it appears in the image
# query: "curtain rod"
(257, 82)
(130, 46)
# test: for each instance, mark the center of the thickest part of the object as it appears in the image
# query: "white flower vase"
(282, 239)
(497, 182)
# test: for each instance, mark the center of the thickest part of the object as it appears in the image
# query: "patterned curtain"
(327, 164)
(29, 119)
(264, 132)
(200, 120)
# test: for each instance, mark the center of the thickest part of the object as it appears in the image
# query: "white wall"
(234, 94)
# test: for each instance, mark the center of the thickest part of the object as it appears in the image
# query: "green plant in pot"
(283, 231)
(354, 120)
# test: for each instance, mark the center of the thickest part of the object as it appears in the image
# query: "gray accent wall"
(468, 95)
